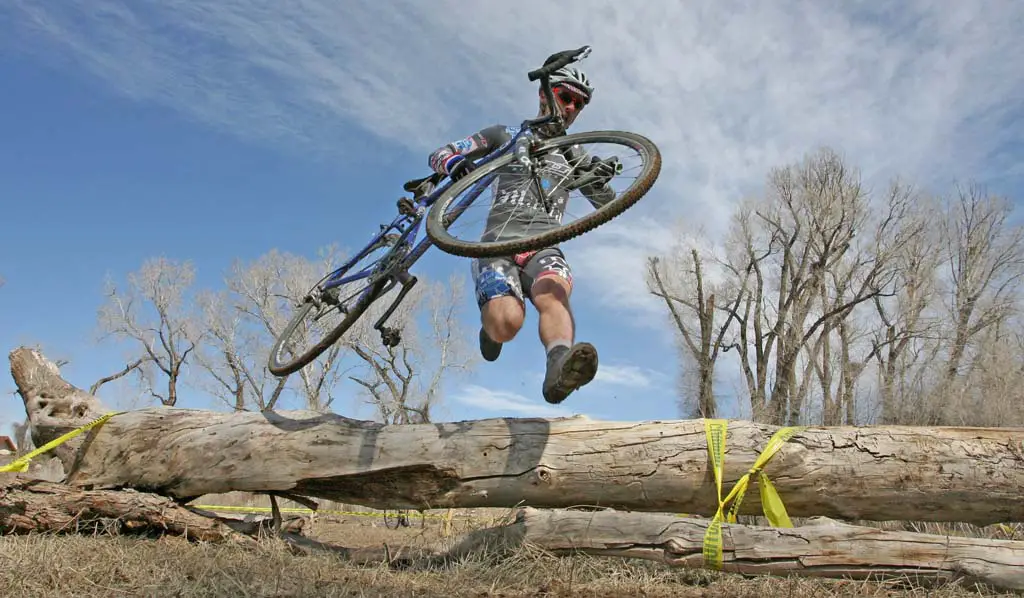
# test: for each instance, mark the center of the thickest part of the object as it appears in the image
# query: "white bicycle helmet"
(574, 79)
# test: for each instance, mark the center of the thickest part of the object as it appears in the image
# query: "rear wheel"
(325, 314)
(458, 220)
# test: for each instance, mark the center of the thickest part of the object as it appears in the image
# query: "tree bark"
(972, 475)
(825, 548)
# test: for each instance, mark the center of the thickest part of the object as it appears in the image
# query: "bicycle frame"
(408, 226)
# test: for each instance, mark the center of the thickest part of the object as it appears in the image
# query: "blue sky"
(217, 130)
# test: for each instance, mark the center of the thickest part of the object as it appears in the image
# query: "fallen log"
(31, 505)
(824, 548)
(973, 475)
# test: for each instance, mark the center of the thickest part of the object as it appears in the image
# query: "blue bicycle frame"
(408, 225)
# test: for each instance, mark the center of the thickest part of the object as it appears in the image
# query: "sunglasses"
(567, 97)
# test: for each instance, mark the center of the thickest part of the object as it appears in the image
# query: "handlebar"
(557, 61)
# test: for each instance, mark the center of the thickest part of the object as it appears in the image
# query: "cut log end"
(53, 405)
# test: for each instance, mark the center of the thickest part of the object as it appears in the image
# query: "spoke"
(494, 221)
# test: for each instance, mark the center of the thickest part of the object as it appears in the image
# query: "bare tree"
(809, 219)
(263, 295)
(986, 262)
(842, 350)
(799, 263)
(833, 366)
(403, 383)
(823, 281)
(991, 390)
(153, 312)
(233, 356)
(749, 251)
(954, 369)
(691, 302)
(908, 332)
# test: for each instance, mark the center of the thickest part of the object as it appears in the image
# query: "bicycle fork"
(388, 335)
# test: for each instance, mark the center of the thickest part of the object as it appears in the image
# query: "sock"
(557, 343)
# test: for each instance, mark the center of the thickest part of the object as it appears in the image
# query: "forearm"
(471, 148)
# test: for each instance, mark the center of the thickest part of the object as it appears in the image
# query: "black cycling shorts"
(504, 276)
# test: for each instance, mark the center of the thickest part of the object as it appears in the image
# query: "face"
(569, 103)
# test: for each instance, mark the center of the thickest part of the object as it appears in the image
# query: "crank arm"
(408, 281)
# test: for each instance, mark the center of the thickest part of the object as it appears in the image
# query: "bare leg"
(502, 317)
(569, 365)
(557, 326)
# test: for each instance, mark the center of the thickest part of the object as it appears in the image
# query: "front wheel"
(528, 211)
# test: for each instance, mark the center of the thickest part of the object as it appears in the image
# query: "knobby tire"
(284, 368)
(437, 228)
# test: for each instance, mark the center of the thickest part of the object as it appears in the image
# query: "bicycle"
(401, 247)
(400, 518)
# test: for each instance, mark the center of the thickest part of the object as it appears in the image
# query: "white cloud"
(609, 265)
(625, 375)
(727, 90)
(504, 402)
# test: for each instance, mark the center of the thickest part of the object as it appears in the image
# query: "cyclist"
(544, 276)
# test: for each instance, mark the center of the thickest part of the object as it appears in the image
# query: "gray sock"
(557, 343)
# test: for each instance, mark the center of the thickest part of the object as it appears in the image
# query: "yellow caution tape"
(246, 509)
(21, 463)
(714, 430)
(771, 502)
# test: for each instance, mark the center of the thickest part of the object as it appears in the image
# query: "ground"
(107, 565)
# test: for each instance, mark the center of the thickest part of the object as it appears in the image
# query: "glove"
(458, 167)
(603, 170)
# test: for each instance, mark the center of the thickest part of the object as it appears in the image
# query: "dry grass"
(121, 566)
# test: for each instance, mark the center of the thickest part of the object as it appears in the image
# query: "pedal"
(331, 296)
(391, 337)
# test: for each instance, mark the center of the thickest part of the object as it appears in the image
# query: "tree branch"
(127, 370)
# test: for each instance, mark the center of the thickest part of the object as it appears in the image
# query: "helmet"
(574, 79)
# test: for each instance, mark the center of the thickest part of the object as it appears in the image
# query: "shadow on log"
(972, 475)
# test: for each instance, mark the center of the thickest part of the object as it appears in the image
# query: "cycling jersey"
(516, 209)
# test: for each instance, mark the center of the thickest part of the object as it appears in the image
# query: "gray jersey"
(517, 210)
